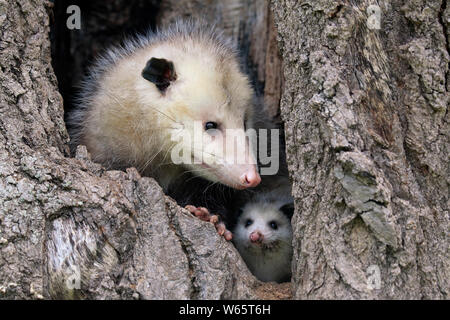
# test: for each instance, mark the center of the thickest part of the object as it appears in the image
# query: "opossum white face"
(204, 104)
(264, 226)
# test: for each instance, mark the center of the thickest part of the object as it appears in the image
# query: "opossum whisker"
(209, 186)
(195, 171)
(193, 149)
(153, 157)
(157, 153)
(170, 149)
(143, 165)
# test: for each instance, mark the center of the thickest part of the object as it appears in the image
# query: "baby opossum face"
(207, 103)
(264, 226)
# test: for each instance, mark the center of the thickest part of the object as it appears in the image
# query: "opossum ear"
(288, 210)
(160, 72)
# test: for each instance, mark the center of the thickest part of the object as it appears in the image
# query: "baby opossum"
(263, 233)
(139, 98)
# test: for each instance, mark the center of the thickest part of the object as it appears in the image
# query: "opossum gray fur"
(140, 96)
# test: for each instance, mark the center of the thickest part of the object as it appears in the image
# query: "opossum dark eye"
(211, 125)
(273, 225)
(248, 222)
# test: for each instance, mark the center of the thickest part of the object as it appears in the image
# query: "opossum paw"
(203, 214)
(223, 231)
(200, 212)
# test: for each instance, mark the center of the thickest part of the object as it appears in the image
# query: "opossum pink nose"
(251, 178)
(256, 237)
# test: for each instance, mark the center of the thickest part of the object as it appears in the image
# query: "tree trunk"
(366, 122)
(367, 133)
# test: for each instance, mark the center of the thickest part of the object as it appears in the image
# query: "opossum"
(263, 233)
(139, 99)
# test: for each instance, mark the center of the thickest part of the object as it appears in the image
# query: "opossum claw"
(228, 235)
(203, 214)
(220, 228)
(200, 212)
(214, 219)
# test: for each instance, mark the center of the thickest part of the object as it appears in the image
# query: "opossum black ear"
(288, 210)
(160, 72)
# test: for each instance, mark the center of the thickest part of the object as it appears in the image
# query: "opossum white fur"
(263, 234)
(127, 117)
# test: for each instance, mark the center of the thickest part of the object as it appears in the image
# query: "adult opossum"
(139, 99)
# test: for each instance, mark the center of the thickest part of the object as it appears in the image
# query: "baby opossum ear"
(288, 210)
(160, 72)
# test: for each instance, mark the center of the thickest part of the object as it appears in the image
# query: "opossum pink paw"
(203, 214)
(222, 230)
(200, 212)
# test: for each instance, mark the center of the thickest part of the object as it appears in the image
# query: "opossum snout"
(256, 237)
(251, 178)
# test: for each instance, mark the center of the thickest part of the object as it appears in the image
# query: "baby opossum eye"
(273, 225)
(248, 222)
(211, 125)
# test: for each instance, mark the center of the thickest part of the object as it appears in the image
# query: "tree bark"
(367, 133)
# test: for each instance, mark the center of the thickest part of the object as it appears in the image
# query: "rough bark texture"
(367, 132)
(366, 115)
(64, 219)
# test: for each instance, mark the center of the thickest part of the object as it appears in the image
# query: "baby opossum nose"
(256, 237)
(251, 178)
